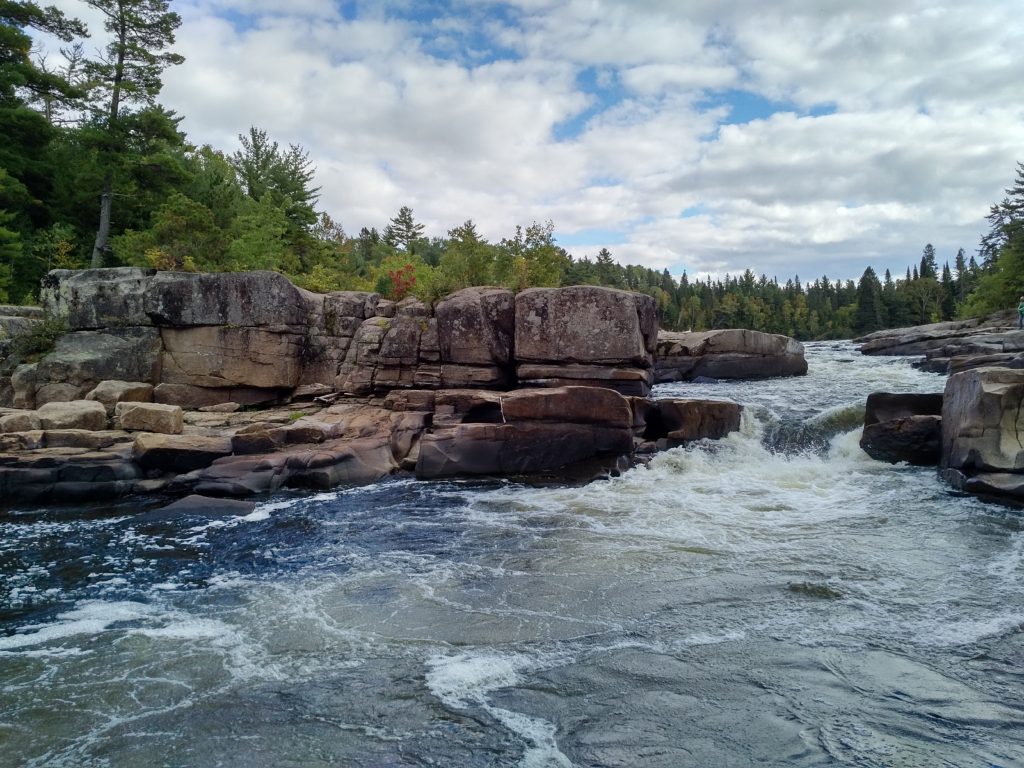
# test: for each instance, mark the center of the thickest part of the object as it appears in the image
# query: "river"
(774, 598)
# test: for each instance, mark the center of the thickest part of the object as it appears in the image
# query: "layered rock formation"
(66, 452)
(954, 346)
(142, 393)
(727, 354)
(253, 337)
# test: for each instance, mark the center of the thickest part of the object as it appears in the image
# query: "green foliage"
(38, 341)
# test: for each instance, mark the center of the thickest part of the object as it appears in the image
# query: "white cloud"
(608, 119)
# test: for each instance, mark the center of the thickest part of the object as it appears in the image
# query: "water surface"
(775, 598)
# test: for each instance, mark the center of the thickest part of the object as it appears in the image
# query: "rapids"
(774, 598)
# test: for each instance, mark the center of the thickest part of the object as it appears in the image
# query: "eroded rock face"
(524, 432)
(727, 354)
(238, 299)
(220, 357)
(476, 326)
(983, 421)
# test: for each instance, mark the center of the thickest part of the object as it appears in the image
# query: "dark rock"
(511, 449)
(236, 299)
(196, 505)
(178, 453)
(913, 439)
(885, 406)
(91, 299)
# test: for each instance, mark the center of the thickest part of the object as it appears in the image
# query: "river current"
(774, 598)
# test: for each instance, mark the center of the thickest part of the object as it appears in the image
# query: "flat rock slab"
(201, 506)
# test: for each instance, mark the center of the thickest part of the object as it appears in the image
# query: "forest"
(95, 172)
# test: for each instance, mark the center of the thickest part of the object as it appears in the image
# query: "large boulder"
(90, 299)
(727, 354)
(19, 421)
(237, 299)
(584, 324)
(680, 421)
(511, 449)
(914, 439)
(476, 326)
(110, 393)
(77, 414)
(886, 406)
(226, 356)
(983, 421)
(523, 432)
(149, 417)
(83, 359)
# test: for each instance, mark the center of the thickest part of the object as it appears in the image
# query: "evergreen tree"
(403, 231)
(129, 73)
(869, 303)
(929, 267)
(285, 176)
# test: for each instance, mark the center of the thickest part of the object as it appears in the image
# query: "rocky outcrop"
(486, 382)
(903, 428)
(564, 431)
(586, 336)
(983, 421)
(955, 346)
(15, 321)
(983, 433)
(727, 354)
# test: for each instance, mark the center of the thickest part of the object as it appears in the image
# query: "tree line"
(94, 171)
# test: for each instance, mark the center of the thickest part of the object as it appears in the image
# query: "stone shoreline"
(240, 383)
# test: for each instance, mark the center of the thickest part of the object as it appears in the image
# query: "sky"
(790, 137)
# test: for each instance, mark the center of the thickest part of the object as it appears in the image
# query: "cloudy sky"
(790, 137)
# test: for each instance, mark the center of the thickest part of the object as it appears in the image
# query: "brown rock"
(191, 398)
(509, 449)
(218, 357)
(110, 393)
(19, 421)
(476, 326)
(149, 417)
(983, 421)
(682, 421)
(913, 439)
(77, 414)
(575, 405)
(178, 453)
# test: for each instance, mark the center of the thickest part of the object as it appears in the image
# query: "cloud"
(785, 137)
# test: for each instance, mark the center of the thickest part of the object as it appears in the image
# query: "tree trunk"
(102, 244)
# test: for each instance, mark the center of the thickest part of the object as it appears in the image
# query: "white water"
(775, 598)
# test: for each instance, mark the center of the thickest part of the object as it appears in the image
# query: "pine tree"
(929, 267)
(129, 73)
(403, 231)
